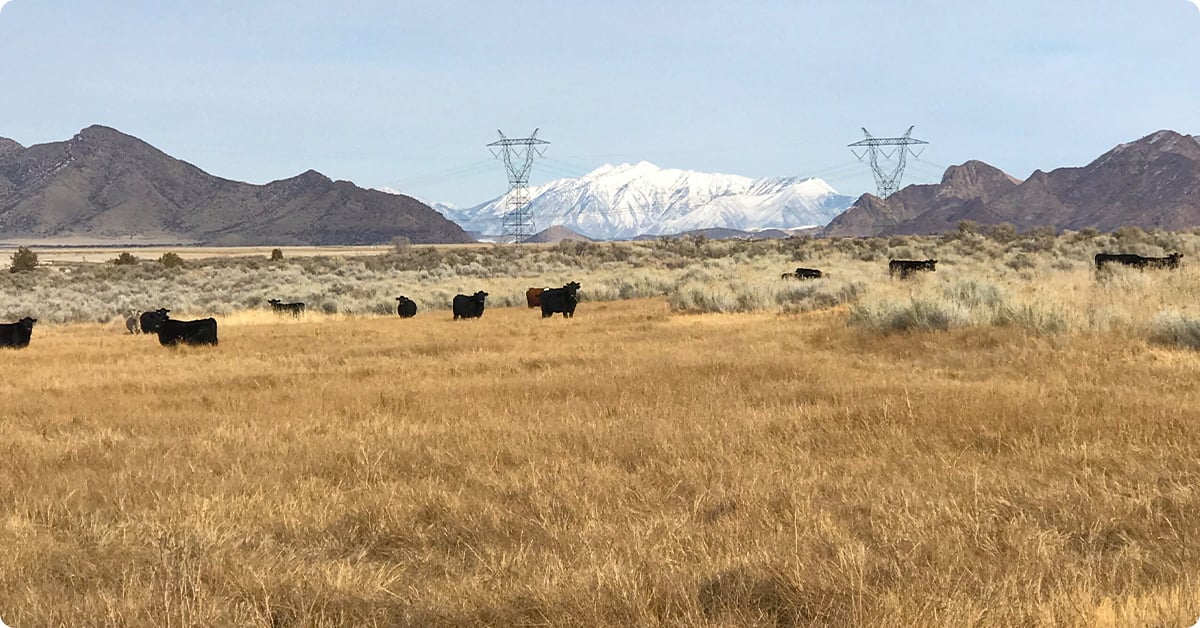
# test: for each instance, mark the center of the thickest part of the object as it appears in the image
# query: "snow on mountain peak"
(627, 200)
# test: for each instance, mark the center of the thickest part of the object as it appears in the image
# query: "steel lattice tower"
(887, 182)
(518, 155)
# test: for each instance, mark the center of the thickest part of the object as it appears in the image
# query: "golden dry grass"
(627, 467)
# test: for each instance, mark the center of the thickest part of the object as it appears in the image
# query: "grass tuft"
(1175, 329)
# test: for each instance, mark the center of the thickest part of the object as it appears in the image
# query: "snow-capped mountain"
(627, 200)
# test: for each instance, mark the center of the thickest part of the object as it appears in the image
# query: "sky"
(406, 94)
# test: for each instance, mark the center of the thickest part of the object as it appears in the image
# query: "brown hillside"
(103, 185)
(1151, 183)
(964, 191)
(556, 234)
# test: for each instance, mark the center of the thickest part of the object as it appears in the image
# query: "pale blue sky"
(406, 94)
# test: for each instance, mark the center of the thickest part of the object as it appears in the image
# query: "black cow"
(906, 267)
(1137, 261)
(803, 273)
(564, 300)
(406, 307)
(202, 332)
(295, 309)
(16, 335)
(151, 320)
(469, 306)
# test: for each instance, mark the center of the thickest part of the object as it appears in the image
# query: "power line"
(454, 173)
(518, 155)
(887, 181)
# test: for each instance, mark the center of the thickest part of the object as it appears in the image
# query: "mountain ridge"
(620, 201)
(103, 185)
(1152, 183)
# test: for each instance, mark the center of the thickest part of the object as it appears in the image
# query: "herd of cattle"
(903, 268)
(204, 331)
(551, 301)
(897, 267)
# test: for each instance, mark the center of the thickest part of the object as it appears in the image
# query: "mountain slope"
(964, 190)
(103, 185)
(627, 200)
(1151, 183)
(556, 234)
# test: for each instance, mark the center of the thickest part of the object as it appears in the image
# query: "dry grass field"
(630, 467)
(1007, 441)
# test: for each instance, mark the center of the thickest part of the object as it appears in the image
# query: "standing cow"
(533, 297)
(469, 306)
(295, 309)
(200, 332)
(17, 335)
(406, 307)
(906, 267)
(803, 273)
(151, 320)
(560, 300)
(1137, 261)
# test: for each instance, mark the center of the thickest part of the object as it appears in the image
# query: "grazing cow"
(406, 308)
(132, 323)
(1137, 261)
(803, 273)
(469, 306)
(295, 309)
(16, 335)
(533, 297)
(906, 267)
(151, 320)
(564, 300)
(201, 332)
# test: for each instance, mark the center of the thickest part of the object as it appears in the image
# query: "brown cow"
(533, 297)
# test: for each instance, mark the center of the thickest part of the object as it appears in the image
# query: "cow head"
(480, 296)
(930, 263)
(27, 323)
(273, 301)
(1174, 259)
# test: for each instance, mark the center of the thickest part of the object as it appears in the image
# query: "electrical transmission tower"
(518, 154)
(887, 182)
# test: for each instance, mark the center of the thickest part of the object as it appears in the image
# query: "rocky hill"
(1151, 183)
(103, 186)
(556, 234)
